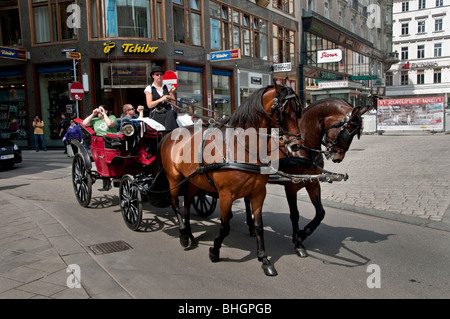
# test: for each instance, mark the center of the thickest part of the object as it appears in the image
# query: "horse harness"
(284, 136)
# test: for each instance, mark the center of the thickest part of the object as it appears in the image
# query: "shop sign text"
(130, 47)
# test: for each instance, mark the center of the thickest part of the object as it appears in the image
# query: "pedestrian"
(129, 112)
(39, 134)
(63, 129)
(73, 132)
(157, 95)
(101, 122)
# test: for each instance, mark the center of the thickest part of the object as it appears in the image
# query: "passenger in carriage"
(157, 95)
(129, 112)
(101, 122)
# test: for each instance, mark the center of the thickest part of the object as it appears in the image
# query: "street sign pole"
(75, 80)
(74, 56)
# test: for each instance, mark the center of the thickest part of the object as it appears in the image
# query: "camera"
(98, 110)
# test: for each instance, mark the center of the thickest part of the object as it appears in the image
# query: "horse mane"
(320, 102)
(251, 111)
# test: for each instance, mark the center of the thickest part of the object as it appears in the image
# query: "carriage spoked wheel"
(82, 181)
(204, 204)
(130, 202)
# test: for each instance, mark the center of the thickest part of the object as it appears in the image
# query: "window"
(405, 28)
(421, 51)
(10, 34)
(389, 79)
(125, 19)
(405, 53)
(422, 4)
(405, 6)
(285, 5)
(420, 26)
(234, 29)
(438, 24)
(327, 10)
(50, 21)
(439, 3)
(404, 78)
(437, 76)
(187, 18)
(420, 77)
(283, 45)
(437, 50)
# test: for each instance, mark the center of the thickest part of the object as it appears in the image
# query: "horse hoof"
(212, 256)
(301, 252)
(184, 241)
(194, 243)
(269, 270)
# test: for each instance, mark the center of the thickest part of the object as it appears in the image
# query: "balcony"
(390, 58)
(263, 3)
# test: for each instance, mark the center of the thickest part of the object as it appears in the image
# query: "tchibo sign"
(327, 56)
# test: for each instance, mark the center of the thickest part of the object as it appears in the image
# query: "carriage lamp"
(128, 130)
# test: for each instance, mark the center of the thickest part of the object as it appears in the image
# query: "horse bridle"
(278, 107)
(344, 137)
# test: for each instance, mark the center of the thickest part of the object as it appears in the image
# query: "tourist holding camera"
(101, 121)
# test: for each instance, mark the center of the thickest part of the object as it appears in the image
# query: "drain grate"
(111, 247)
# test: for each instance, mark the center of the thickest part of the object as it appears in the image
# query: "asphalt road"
(352, 255)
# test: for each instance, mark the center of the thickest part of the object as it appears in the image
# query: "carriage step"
(110, 247)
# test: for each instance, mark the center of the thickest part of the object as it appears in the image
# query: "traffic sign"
(171, 80)
(73, 55)
(76, 91)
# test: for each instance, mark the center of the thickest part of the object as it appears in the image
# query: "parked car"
(10, 153)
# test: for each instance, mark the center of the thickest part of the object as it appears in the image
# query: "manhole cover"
(111, 247)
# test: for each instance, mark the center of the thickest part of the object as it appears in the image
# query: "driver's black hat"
(157, 69)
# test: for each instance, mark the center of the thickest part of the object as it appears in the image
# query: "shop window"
(222, 93)
(125, 74)
(187, 16)
(10, 34)
(51, 21)
(13, 114)
(125, 19)
(54, 100)
(190, 86)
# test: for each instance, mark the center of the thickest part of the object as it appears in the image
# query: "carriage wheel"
(82, 181)
(204, 204)
(130, 202)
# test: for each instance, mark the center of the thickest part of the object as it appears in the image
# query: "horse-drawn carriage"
(145, 169)
(127, 160)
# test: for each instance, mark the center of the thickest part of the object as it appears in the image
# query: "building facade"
(421, 36)
(119, 43)
(346, 49)
(114, 44)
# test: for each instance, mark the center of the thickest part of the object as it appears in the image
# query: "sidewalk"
(36, 250)
(402, 178)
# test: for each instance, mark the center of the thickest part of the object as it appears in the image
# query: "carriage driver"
(156, 96)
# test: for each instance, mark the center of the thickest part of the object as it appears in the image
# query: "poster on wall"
(425, 113)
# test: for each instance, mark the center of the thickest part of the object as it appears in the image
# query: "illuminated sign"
(15, 54)
(130, 47)
(225, 55)
(326, 56)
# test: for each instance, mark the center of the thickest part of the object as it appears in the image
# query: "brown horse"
(330, 122)
(222, 171)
